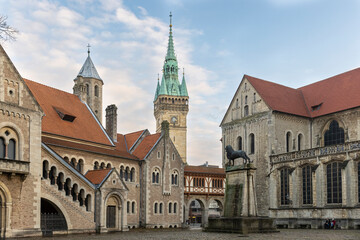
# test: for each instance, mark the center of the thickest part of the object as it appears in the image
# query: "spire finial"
(158, 77)
(170, 21)
(88, 46)
(183, 71)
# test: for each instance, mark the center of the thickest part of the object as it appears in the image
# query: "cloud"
(128, 51)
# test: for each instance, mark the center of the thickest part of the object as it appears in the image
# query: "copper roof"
(146, 145)
(97, 176)
(200, 169)
(84, 127)
(331, 95)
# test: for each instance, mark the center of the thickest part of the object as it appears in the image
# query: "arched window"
(128, 206)
(102, 165)
(246, 110)
(245, 99)
(155, 208)
(133, 207)
(254, 97)
(175, 207)
(158, 154)
(108, 165)
(73, 162)
(300, 143)
(122, 172)
(288, 141)
(251, 143)
(160, 208)
(239, 143)
(284, 186)
(96, 165)
(12, 149)
(156, 176)
(67, 187)
(333, 180)
(170, 207)
(45, 169)
(307, 184)
(2, 148)
(80, 166)
(87, 90)
(335, 134)
(126, 173)
(237, 103)
(96, 90)
(132, 175)
(88, 202)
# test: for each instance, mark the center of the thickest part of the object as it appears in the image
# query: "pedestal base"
(243, 225)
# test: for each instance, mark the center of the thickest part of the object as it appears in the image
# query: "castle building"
(63, 172)
(171, 102)
(305, 145)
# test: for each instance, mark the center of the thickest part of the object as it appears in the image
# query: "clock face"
(173, 119)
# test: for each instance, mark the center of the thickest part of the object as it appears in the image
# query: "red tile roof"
(333, 94)
(115, 152)
(200, 169)
(84, 126)
(97, 176)
(132, 137)
(146, 145)
(336, 93)
(278, 97)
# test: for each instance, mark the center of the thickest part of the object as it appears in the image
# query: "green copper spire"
(157, 89)
(183, 88)
(170, 84)
(163, 88)
(170, 51)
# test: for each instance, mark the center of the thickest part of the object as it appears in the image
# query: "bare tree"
(7, 33)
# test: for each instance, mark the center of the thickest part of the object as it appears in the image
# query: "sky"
(290, 42)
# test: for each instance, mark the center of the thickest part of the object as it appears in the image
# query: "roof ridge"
(310, 84)
(28, 80)
(274, 83)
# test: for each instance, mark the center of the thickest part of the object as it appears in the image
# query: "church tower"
(88, 86)
(171, 102)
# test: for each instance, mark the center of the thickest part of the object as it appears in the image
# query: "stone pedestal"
(240, 209)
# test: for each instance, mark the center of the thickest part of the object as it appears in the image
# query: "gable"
(245, 95)
(13, 90)
(106, 178)
(146, 145)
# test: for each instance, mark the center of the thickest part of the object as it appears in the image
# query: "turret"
(88, 86)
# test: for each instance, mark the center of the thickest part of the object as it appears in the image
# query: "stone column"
(205, 216)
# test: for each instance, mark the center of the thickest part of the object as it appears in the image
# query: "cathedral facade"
(305, 145)
(62, 171)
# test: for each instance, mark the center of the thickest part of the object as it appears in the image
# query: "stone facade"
(295, 181)
(97, 185)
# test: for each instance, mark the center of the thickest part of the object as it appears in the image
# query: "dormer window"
(316, 107)
(64, 115)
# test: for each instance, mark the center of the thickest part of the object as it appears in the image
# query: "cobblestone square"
(152, 234)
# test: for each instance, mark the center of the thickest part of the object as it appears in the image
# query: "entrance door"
(111, 216)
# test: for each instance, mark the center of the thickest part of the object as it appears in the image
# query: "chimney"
(111, 121)
(165, 128)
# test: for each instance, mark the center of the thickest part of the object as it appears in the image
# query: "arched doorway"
(52, 218)
(215, 208)
(113, 213)
(196, 213)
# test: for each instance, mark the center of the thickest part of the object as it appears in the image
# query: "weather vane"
(88, 46)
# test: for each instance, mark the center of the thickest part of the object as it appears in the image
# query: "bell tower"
(88, 86)
(171, 102)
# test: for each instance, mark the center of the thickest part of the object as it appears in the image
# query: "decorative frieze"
(316, 152)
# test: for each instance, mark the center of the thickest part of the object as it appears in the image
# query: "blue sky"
(290, 42)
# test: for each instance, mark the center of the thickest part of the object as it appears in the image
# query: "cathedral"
(63, 171)
(305, 144)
